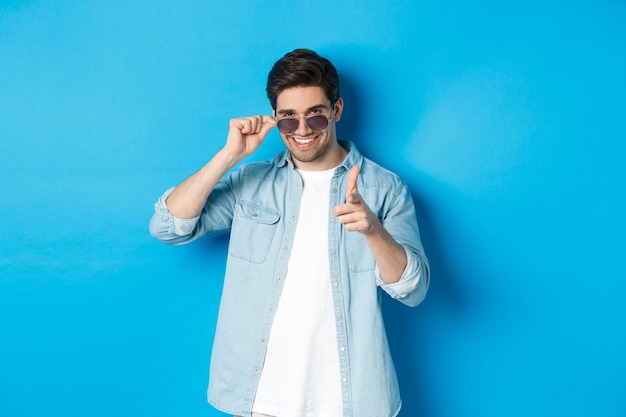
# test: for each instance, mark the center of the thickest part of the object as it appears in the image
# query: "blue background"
(508, 121)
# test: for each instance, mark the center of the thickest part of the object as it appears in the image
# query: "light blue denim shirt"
(259, 205)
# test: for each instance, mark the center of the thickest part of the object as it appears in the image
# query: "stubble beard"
(306, 157)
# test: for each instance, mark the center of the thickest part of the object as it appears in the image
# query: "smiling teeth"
(303, 141)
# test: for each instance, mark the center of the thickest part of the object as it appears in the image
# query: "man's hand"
(245, 134)
(355, 215)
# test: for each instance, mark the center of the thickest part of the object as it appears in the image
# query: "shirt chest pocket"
(360, 258)
(253, 231)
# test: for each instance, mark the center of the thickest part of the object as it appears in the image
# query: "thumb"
(268, 124)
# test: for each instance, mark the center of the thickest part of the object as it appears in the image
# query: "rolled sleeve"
(168, 228)
(413, 284)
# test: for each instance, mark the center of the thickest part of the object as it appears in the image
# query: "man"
(315, 234)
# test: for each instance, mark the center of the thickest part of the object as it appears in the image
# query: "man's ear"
(338, 109)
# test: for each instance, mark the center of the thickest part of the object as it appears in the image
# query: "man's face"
(310, 150)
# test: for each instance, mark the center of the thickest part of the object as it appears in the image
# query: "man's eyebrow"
(309, 110)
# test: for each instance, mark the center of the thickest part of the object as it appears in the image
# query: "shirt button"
(334, 190)
(335, 284)
(342, 349)
(332, 252)
(339, 316)
(344, 379)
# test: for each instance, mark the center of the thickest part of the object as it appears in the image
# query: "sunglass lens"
(287, 126)
(317, 123)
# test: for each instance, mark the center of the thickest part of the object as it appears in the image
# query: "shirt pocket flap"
(257, 213)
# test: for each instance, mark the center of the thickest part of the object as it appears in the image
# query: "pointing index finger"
(353, 175)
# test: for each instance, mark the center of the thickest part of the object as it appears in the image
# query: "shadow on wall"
(349, 126)
(408, 329)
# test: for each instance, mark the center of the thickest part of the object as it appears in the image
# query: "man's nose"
(303, 128)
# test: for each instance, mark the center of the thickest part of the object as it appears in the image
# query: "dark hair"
(302, 68)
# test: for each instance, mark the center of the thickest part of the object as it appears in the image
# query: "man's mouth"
(302, 141)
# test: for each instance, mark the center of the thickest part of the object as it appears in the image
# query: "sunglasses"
(289, 125)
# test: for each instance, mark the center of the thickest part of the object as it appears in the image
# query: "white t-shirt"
(301, 376)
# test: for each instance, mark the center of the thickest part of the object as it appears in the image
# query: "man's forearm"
(388, 254)
(189, 197)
